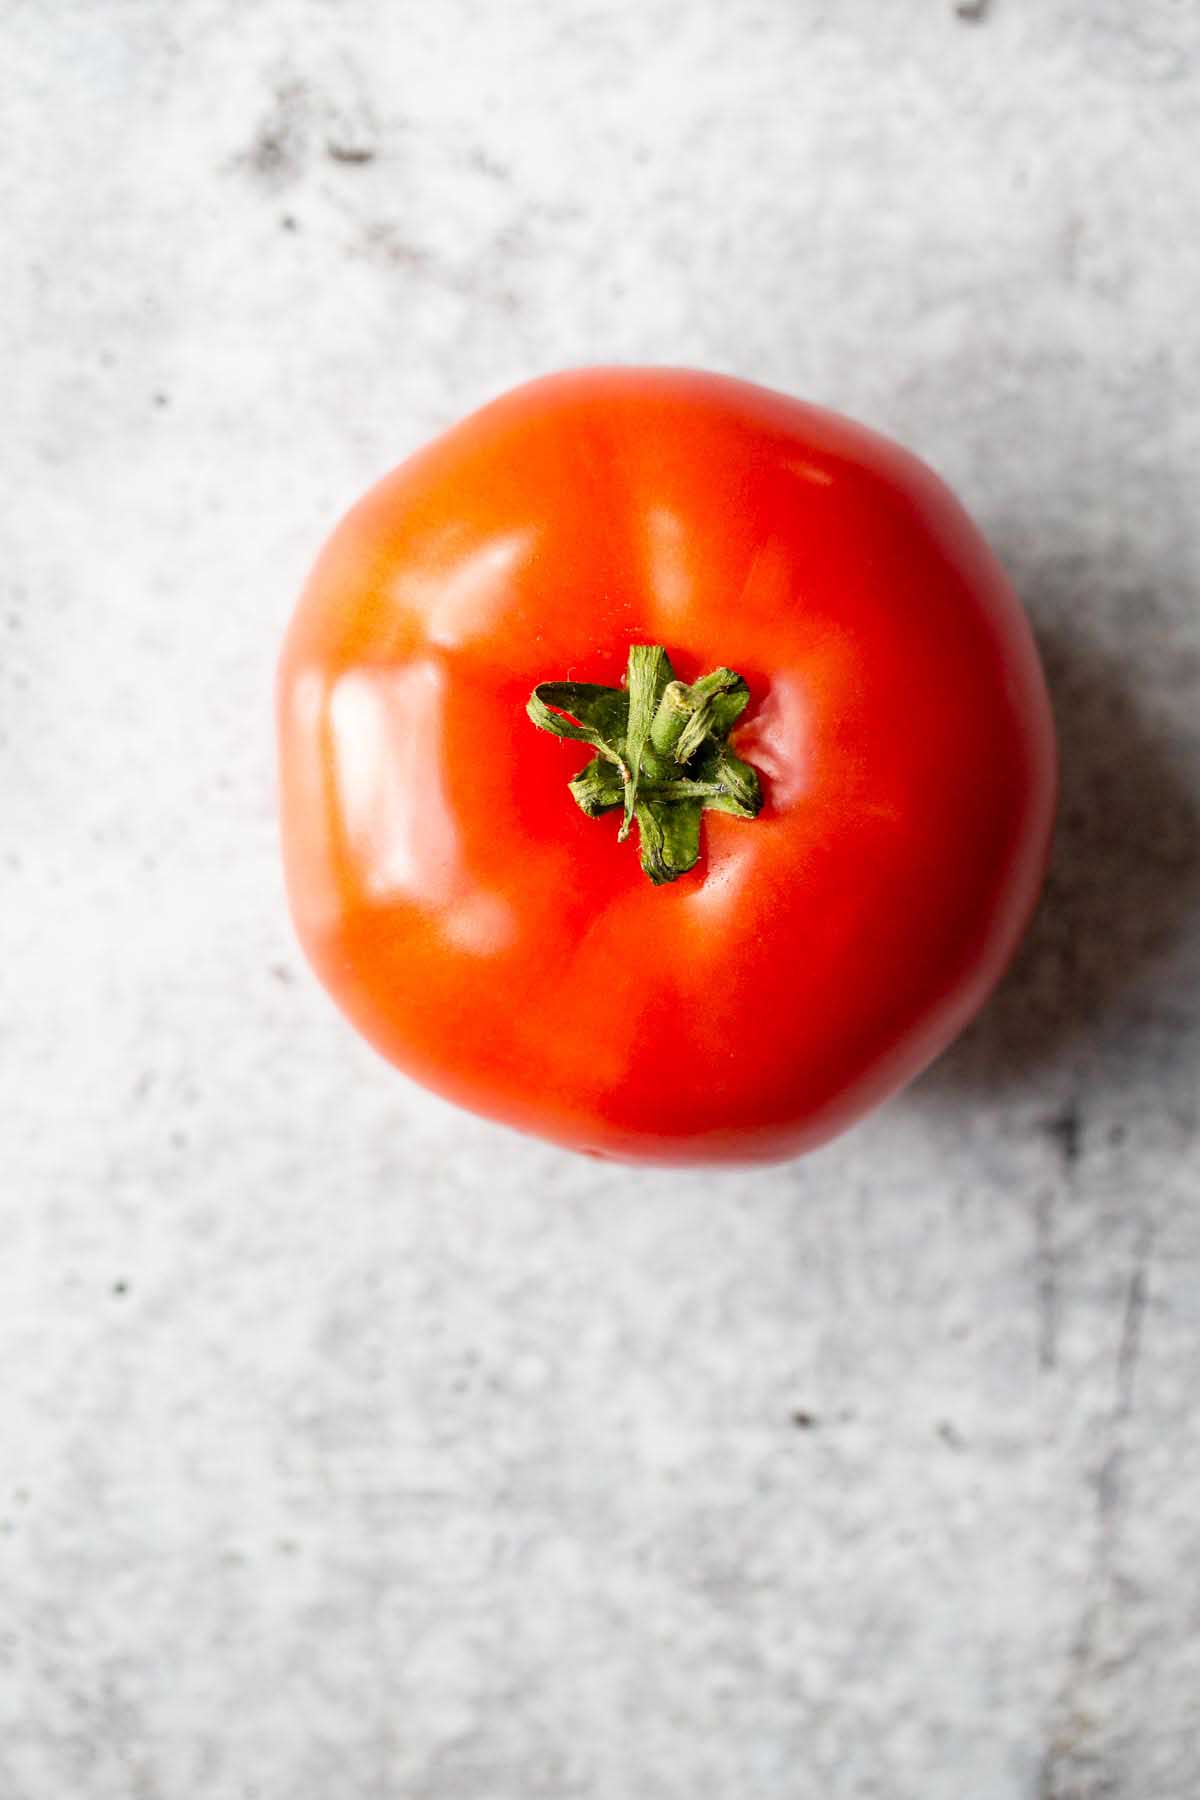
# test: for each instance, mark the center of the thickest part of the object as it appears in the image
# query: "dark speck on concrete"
(950, 1435)
(1065, 1129)
(803, 1421)
(288, 222)
(120, 1287)
(349, 153)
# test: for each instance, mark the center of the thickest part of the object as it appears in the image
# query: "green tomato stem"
(662, 755)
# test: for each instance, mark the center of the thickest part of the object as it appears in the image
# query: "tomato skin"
(507, 951)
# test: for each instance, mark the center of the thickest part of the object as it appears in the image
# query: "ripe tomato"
(830, 879)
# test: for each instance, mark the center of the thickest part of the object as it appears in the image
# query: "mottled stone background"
(351, 1448)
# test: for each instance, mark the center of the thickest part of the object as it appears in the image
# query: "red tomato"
(507, 949)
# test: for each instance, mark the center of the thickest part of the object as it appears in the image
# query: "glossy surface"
(504, 949)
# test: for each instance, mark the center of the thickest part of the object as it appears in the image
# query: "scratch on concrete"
(1066, 1756)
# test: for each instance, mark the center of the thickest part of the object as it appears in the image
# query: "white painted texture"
(353, 1448)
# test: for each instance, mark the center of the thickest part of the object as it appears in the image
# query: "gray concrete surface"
(351, 1448)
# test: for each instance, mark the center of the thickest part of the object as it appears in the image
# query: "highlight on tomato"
(666, 766)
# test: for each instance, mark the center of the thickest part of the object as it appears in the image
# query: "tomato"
(727, 955)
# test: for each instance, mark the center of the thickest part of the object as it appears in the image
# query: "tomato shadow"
(1121, 893)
